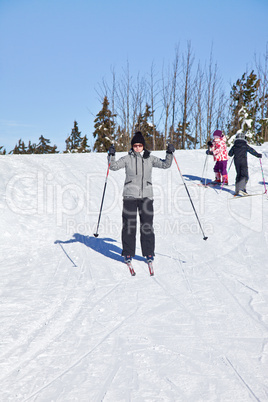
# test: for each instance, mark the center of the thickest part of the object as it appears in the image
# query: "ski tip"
(205, 238)
(96, 234)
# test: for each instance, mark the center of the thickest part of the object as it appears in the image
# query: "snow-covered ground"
(75, 326)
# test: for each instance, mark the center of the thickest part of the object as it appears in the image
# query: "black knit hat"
(138, 139)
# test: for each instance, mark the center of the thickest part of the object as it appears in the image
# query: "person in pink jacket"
(219, 151)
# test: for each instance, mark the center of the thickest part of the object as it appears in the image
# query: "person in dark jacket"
(239, 150)
(138, 194)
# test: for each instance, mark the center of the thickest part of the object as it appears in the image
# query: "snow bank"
(75, 326)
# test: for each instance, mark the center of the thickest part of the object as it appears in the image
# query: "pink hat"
(217, 133)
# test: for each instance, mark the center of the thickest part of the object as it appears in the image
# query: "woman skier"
(138, 195)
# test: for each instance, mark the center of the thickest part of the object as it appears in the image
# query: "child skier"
(239, 150)
(219, 151)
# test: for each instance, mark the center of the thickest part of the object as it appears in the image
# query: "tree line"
(184, 104)
(75, 143)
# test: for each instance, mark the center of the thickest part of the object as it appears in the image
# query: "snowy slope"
(75, 326)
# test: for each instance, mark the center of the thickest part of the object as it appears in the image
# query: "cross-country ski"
(130, 267)
(239, 196)
(151, 268)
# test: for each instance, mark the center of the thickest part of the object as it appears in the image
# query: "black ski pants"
(241, 175)
(146, 212)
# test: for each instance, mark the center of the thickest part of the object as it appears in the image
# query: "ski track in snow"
(77, 327)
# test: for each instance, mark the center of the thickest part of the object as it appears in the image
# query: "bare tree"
(198, 107)
(130, 99)
(167, 91)
(211, 93)
(187, 86)
(221, 109)
(112, 95)
(138, 101)
(154, 92)
(262, 70)
(187, 108)
(104, 90)
(123, 101)
(174, 92)
(169, 97)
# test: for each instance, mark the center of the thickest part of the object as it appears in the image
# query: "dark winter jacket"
(240, 149)
(138, 168)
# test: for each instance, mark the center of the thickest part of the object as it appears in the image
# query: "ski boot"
(149, 260)
(225, 180)
(128, 261)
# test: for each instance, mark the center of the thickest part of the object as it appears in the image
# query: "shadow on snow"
(103, 246)
(201, 180)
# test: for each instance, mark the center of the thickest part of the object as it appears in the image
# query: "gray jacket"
(138, 167)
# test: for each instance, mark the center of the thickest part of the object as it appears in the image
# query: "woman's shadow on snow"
(104, 246)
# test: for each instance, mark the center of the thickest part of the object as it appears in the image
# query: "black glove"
(209, 144)
(170, 148)
(259, 156)
(209, 152)
(111, 150)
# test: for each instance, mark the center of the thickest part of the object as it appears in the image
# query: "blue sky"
(54, 53)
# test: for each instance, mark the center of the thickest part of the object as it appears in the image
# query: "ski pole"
(204, 237)
(204, 166)
(227, 173)
(265, 192)
(109, 163)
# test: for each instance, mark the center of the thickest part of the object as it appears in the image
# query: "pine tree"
(84, 147)
(74, 141)
(244, 97)
(148, 130)
(262, 121)
(104, 128)
(190, 141)
(20, 148)
(121, 141)
(262, 128)
(2, 151)
(177, 136)
(43, 147)
(31, 148)
(247, 127)
(262, 68)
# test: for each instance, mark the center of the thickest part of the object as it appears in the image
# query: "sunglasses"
(137, 145)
